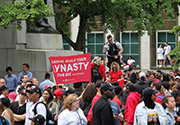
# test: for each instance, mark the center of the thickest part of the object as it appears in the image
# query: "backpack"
(3, 120)
(48, 113)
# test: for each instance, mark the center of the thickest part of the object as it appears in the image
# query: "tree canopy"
(146, 15)
(114, 14)
(29, 10)
(176, 51)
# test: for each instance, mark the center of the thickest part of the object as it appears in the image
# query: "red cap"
(13, 95)
(58, 92)
(47, 87)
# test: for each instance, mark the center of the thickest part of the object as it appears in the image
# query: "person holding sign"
(97, 70)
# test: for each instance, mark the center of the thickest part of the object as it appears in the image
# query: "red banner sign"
(71, 69)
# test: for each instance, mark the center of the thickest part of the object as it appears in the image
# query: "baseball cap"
(2, 88)
(12, 95)
(130, 86)
(58, 92)
(107, 86)
(34, 89)
(177, 77)
(47, 87)
(142, 74)
(38, 119)
(5, 101)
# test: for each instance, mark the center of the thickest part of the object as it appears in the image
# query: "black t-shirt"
(16, 109)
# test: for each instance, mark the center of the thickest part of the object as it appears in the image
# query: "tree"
(29, 10)
(176, 51)
(146, 15)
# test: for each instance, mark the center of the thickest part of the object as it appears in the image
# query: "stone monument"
(18, 47)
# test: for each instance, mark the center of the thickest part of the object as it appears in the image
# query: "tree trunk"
(80, 41)
(79, 45)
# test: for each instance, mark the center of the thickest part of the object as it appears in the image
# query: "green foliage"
(146, 15)
(28, 10)
(176, 51)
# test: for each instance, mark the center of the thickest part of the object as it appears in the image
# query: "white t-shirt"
(130, 61)
(167, 49)
(152, 113)
(41, 109)
(67, 117)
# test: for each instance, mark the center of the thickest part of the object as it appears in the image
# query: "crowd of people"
(119, 97)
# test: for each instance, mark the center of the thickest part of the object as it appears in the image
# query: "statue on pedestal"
(42, 26)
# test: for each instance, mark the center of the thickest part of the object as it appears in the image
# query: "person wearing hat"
(132, 101)
(19, 114)
(130, 74)
(57, 103)
(37, 120)
(102, 111)
(142, 83)
(177, 79)
(4, 91)
(148, 111)
(33, 94)
(97, 70)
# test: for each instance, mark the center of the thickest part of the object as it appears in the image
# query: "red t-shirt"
(115, 76)
(89, 117)
(117, 100)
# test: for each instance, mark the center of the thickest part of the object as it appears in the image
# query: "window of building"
(165, 36)
(65, 45)
(130, 43)
(95, 42)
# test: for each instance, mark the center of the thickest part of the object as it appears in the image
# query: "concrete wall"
(37, 59)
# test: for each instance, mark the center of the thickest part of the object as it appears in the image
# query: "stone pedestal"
(44, 41)
(37, 59)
